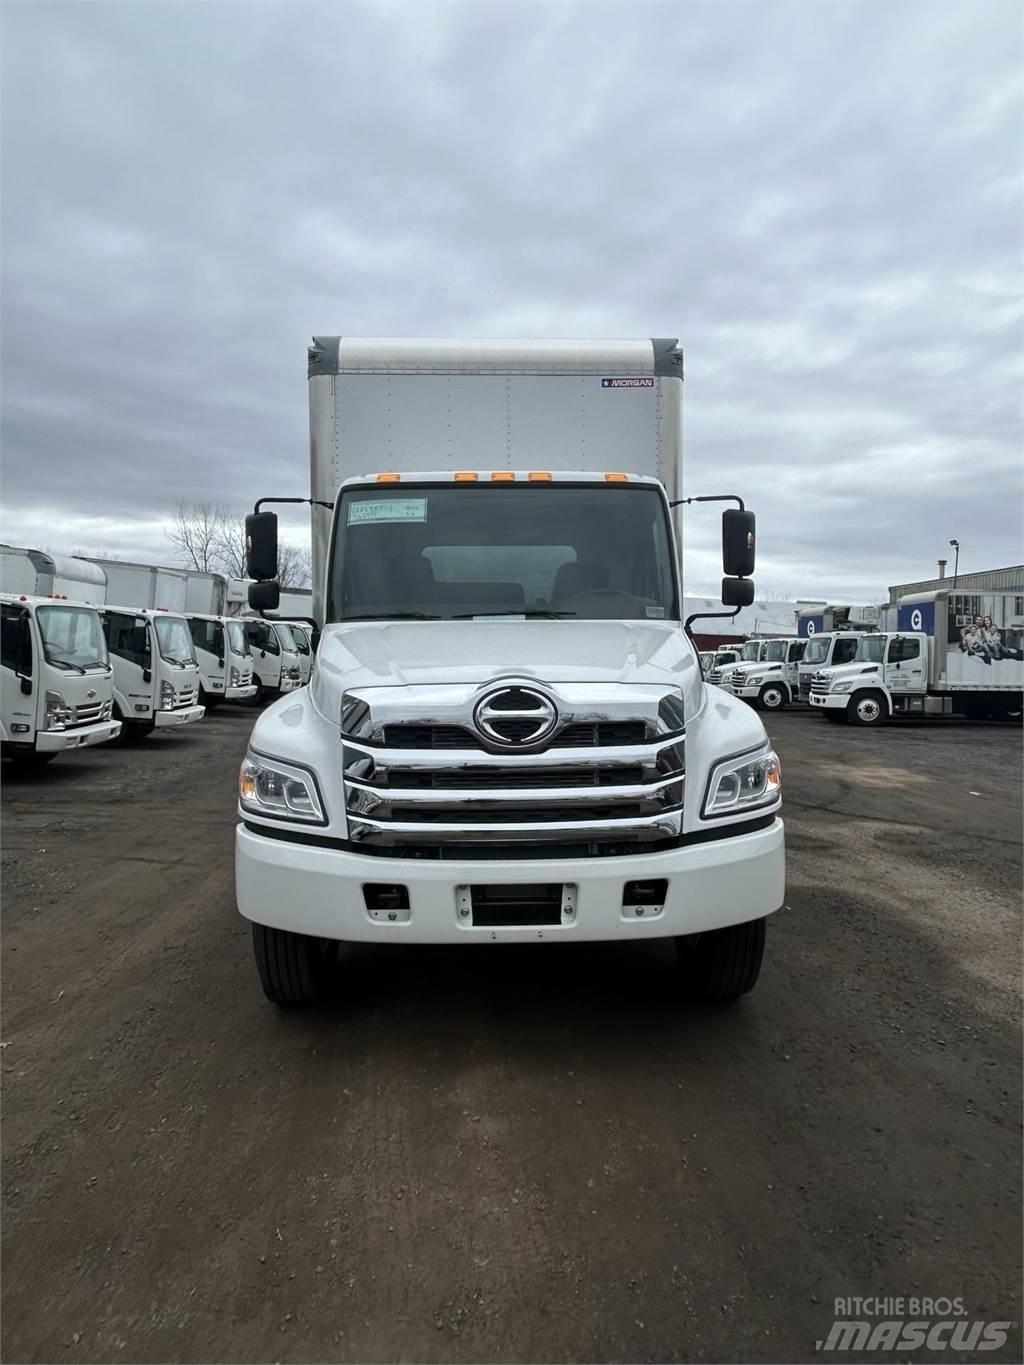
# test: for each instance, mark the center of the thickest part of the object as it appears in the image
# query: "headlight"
(234, 677)
(268, 786)
(56, 714)
(166, 696)
(743, 784)
(105, 710)
(755, 681)
(841, 687)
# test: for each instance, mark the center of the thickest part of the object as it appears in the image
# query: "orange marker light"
(616, 478)
(464, 476)
(388, 478)
(539, 476)
(503, 476)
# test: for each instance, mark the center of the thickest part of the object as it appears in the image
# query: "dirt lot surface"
(536, 1154)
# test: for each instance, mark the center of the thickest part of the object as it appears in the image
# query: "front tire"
(867, 708)
(722, 964)
(292, 967)
(773, 697)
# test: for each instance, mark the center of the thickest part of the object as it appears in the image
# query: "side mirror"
(26, 686)
(261, 545)
(737, 592)
(738, 540)
(265, 596)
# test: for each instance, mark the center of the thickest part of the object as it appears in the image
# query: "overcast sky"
(822, 201)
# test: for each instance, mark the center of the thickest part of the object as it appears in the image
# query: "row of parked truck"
(939, 653)
(95, 651)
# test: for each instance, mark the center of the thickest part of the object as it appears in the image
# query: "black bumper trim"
(527, 853)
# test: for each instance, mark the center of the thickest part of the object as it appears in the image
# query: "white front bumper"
(54, 741)
(834, 701)
(187, 714)
(318, 890)
(748, 693)
(240, 693)
(290, 684)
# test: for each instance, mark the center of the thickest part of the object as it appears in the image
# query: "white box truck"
(507, 738)
(224, 658)
(941, 653)
(56, 683)
(772, 681)
(156, 677)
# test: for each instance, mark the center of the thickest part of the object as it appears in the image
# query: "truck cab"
(276, 667)
(56, 685)
(824, 650)
(721, 663)
(302, 637)
(772, 682)
(224, 658)
(156, 677)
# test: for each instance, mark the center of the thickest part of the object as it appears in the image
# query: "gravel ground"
(536, 1154)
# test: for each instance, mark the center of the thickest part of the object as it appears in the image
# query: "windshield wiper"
(529, 615)
(65, 663)
(391, 616)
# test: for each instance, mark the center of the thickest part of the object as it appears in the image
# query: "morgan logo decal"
(632, 382)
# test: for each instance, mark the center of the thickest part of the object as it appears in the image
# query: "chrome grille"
(805, 685)
(185, 696)
(88, 712)
(819, 686)
(600, 779)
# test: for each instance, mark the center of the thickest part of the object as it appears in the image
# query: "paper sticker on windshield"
(387, 509)
(630, 382)
(656, 612)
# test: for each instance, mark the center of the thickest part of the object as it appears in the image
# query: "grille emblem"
(515, 716)
(91, 692)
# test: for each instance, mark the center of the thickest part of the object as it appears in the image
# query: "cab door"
(793, 656)
(904, 664)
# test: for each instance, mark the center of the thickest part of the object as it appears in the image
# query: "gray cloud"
(823, 202)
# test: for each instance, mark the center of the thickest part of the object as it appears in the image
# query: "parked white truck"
(772, 682)
(56, 684)
(275, 659)
(156, 677)
(224, 657)
(826, 651)
(942, 653)
(507, 738)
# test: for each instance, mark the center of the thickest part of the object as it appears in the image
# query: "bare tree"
(294, 569)
(196, 534)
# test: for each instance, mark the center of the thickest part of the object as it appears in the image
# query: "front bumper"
(55, 741)
(834, 701)
(317, 890)
(748, 693)
(240, 693)
(187, 714)
(289, 684)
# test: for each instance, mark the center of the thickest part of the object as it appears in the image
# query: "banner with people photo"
(985, 639)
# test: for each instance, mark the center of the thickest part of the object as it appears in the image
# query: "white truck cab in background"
(302, 639)
(276, 667)
(156, 677)
(507, 738)
(824, 650)
(772, 682)
(224, 658)
(720, 661)
(56, 687)
(940, 653)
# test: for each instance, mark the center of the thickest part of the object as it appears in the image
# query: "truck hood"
(429, 653)
(843, 671)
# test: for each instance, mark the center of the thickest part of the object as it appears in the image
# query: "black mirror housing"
(265, 596)
(261, 545)
(738, 544)
(737, 592)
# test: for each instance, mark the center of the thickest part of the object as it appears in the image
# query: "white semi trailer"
(507, 738)
(942, 653)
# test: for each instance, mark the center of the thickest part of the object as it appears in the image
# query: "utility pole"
(956, 562)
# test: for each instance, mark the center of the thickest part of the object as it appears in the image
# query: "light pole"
(956, 559)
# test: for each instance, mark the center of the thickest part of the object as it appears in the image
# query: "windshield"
(593, 551)
(174, 639)
(870, 649)
(301, 641)
(751, 651)
(236, 638)
(847, 648)
(723, 660)
(776, 651)
(817, 650)
(72, 637)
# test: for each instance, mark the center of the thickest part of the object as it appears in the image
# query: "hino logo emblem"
(515, 716)
(91, 692)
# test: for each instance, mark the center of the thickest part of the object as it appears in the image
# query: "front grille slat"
(578, 735)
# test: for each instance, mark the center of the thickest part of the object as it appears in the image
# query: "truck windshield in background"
(174, 639)
(870, 649)
(751, 652)
(592, 551)
(817, 650)
(299, 637)
(776, 651)
(236, 638)
(72, 637)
